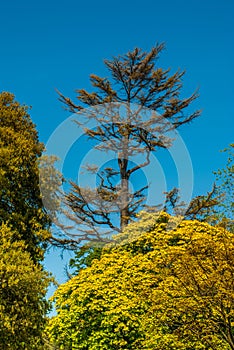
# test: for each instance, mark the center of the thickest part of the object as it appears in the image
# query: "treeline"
(158, 277)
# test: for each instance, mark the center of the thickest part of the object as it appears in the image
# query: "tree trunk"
(124, 213)
(124, 205)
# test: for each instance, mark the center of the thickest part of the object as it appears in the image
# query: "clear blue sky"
(56, 44)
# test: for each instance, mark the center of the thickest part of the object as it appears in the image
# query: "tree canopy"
(20, 199)
(160, 287)
(24, 231)
(23, 287)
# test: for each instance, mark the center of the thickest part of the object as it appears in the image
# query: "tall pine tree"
(133, 110)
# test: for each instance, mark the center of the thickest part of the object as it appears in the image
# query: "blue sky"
(50, 45)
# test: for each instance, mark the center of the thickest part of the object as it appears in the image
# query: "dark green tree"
(20, 199)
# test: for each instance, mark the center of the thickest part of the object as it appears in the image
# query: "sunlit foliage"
(20, 199)
(23, 286)
(165, 285)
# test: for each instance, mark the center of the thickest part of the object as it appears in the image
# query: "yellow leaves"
(164, 289)
(23, 287)
(20, 200)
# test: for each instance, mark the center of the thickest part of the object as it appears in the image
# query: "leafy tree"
(23, 287)
(20, 200)
(161, 288)
(133, 112)
(197, 292)
(84, 256)
(224, 214)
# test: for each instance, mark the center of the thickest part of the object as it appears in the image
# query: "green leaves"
(23, 287)
(20, 199)
(24, 231)
(225, 181)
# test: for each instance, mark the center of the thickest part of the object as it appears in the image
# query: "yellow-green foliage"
(23, 288)
(225, 182)
(20, 199)
(165, 288)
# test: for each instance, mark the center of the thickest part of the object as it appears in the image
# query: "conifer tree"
(133, 111)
